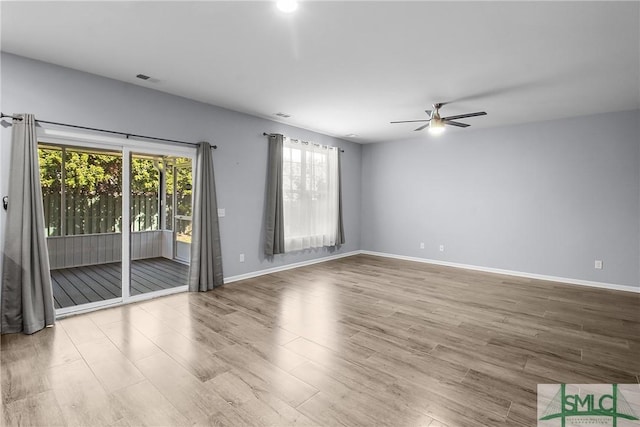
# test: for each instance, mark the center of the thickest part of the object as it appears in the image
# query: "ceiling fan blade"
(463, 116)
(421, 127)
(411, 121)
(458, 124)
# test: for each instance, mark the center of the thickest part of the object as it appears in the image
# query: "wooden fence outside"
(98, 214)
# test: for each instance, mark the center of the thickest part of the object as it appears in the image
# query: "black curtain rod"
(3, 115)
(127, 135)
(274, 134)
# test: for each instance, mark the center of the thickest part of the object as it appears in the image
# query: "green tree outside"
(93, 187)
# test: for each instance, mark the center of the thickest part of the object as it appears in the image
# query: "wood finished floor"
(90, 283)
(359, 341)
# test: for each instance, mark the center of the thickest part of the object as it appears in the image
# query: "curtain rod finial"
(9, 116)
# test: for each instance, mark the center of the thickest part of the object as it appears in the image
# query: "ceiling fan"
(435, 123)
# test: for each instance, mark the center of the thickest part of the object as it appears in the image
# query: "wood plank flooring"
(359, 341)
(100, 282)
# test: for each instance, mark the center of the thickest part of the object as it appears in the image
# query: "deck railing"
(104, 248)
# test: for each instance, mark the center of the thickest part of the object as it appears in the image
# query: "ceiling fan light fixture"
(435, 123)
(287, 6)
(436, 126)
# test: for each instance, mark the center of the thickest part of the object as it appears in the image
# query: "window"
(183, 192)
(145, 192)
(310, 195)
(81, 190)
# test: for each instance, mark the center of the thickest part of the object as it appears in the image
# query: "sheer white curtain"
(311, 195)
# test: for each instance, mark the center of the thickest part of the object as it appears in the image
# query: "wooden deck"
(81, 285)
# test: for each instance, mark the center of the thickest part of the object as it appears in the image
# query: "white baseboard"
(258, 273)
(64, 312)
(565, 280)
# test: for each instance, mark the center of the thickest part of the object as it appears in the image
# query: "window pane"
(183, 190)
(50, 160)
(310, 202)
(145, 188)
(183, 230)
(169, 175)
(93, 192)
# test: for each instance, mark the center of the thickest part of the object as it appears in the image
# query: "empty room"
(320, 213)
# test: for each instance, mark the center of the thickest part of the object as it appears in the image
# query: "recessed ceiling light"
(143, 77)
(287, 6)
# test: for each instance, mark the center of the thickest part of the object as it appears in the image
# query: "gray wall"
(546, 198)
(60, 94)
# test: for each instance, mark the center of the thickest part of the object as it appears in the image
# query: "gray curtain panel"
(274, 222)
(205, 271)
(340, 234)
(27, 296)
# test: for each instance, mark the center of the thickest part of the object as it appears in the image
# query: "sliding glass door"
(117, 219)
(160, 238)
(82, 199)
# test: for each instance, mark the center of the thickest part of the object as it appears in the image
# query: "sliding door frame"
(126, 147)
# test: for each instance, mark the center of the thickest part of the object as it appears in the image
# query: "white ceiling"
(352, 67)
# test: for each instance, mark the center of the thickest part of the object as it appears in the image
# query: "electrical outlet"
(221, 213)
(241, 257)
(598, 264)
(422, 245)
(441, 248)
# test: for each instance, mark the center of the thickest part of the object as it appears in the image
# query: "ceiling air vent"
(143, 77)
(285, 115)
